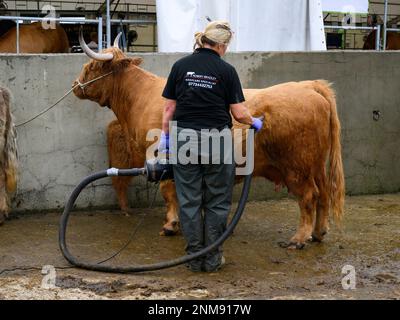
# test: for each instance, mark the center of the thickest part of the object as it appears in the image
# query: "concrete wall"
(67, 143)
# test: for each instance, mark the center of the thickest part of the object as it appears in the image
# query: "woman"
(202, 91)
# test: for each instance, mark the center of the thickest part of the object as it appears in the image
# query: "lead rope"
(79, 84)
(51, 107)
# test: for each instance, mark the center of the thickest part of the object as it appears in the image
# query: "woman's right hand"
(163, 146)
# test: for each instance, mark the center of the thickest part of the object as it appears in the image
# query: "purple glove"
(257, 124)
(163, 146)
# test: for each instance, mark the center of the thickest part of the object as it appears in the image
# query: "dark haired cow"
(392, 42)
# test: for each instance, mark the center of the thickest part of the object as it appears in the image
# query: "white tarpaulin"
(259, 25)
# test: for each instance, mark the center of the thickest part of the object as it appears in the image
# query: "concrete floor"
(257, 267)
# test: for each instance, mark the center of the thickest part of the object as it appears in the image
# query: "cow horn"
(90, 53)
(116, 41)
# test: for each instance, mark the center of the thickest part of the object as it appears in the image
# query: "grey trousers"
(204, 194)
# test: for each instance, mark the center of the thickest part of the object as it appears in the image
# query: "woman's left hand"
(257, 124)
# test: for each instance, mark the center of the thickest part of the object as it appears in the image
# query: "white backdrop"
(259, 25)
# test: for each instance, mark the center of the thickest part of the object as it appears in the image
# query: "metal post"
(378, 37)
(17, 36)
(385, 25)
(108, 22)
(100, 35)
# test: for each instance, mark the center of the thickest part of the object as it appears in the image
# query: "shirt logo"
(200, 81)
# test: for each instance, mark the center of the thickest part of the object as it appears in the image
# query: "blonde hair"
(216, 32)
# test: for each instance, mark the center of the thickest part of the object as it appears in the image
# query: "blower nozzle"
(158, 170)
(155, 170)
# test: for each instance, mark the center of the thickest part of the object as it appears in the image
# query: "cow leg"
(171, 222)
(121, 185)
(322, 216)
(308, 194)
(3, 199)
(119, 157)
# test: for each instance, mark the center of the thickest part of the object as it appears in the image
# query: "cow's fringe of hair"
(10, 153)
(336, 181)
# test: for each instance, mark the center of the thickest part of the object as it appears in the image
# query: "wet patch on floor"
(256, 268)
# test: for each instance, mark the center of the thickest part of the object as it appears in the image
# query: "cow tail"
(336, 184)
(10, 150)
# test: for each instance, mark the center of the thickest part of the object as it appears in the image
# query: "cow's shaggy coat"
(8, 155)
(301, 135)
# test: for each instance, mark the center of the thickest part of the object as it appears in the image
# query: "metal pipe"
(385, 25)
(100, 35)
(349, 27)
(16, 18)
(378, 38)
(133, 21)
(108, 24)
(17, 36)
(91, 21)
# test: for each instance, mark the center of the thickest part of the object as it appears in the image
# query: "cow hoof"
(127, 212)
(283, 244)
(318, 237)
(315, 238)
(296, 246)
(291, 245)
(167, 232)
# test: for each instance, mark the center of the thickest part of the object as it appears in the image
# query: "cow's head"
(103, 70)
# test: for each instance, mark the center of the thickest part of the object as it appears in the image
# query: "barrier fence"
(77, 20)
(380, 44)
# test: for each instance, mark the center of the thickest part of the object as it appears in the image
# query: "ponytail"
(216, 32)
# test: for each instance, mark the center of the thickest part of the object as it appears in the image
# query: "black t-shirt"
(203, 86)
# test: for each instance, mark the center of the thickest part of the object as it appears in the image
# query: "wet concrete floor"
(256, 265)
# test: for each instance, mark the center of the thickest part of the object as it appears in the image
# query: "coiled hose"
(149, 267)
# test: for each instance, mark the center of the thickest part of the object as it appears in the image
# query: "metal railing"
(77, 20)
(124, 22)
(378, 38)
(68, 5)
(378, 28)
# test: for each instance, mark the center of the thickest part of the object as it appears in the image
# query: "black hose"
(149, 267)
